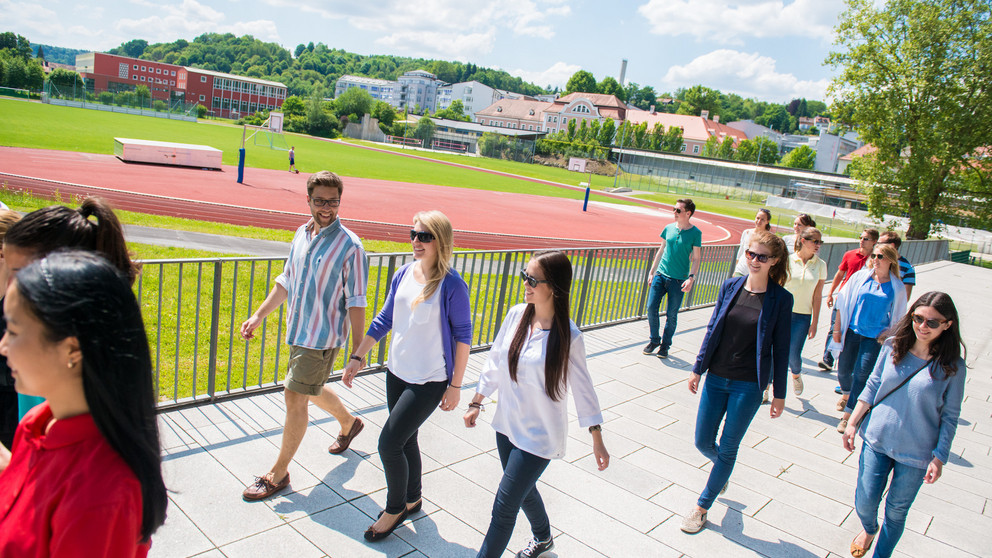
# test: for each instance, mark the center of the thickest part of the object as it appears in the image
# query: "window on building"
(135, 78)
(695, 149)
(143, 68)
(203, 79)
(683, 148)
(135, 66)
(203, 97)
(158, 70)
(173, 72)
(142, 78)
(216, 102)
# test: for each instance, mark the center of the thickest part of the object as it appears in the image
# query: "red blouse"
(67, 493)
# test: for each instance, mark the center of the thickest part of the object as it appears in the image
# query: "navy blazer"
(774, 331)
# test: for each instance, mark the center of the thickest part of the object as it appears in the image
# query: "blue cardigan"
(774, 324)
(456, 323)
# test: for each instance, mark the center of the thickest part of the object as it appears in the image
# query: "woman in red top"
(85, 475)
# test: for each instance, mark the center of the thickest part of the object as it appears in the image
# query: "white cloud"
(449, 29)
(723, 21)
(747, 74)
(556, 75)
(31, 20)
(189, 19)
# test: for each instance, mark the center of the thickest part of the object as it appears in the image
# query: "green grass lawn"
(41, 126)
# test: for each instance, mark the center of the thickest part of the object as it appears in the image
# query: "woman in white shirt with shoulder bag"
(537, 358)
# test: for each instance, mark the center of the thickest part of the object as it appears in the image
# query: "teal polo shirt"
(678, 250)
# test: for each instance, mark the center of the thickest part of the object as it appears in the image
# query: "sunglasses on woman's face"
(422, 236)
(816, 241)
(532, 281)
(762, 258)
(931, 323)
(877, 256)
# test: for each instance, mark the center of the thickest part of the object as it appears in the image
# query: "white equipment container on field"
(167, 153)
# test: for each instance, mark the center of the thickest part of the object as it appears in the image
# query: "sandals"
(858, 551)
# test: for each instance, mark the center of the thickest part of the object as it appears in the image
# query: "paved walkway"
(790, 496)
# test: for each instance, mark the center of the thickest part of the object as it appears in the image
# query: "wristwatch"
(692, 276)
(595, 428)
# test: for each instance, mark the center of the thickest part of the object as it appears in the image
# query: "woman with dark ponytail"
(85, 477)
(92, 227)
(537, 358)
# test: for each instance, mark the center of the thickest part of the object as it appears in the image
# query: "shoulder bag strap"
(895, 389)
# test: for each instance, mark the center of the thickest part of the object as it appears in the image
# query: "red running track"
(375, 209)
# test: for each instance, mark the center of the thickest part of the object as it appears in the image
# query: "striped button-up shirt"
(325, 275)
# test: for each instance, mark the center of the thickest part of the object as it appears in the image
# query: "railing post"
(390, 270)
(504, 281)
(586, 275)
(645, 282)
(214, 325)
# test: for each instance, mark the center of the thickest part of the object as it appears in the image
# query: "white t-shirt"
(525, 414)
(416, 352)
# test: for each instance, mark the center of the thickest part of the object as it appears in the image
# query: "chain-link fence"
(140, 102)
(496, 146)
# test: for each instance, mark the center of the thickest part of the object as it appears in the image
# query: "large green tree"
(758, 150)
(917, 76)
(354, 103)
(802, 157)
(581, 82)
(610, 86)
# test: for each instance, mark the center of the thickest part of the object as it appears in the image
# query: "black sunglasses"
(877, 256)
(762, 258)
(677, 210)
(931, 323)
(422, 236)
(532, 281)
(814, 241)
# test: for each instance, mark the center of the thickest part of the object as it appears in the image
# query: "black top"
(736, 355)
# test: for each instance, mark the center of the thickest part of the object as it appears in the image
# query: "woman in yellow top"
(807, 273)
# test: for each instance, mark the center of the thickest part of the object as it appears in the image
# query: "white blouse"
(416, 352)
(524, 412)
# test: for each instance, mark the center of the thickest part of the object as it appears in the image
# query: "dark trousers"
(409, 407)
(517, 490)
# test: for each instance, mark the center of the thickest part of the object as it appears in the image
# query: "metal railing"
(193, 308)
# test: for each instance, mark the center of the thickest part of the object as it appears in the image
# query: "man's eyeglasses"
(762, 258)
(319, 202)
(931, 323)
(423, 236)
(532, 281)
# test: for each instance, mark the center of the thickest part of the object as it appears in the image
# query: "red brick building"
(224, 95)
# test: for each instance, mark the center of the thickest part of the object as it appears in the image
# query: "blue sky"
(768, 49)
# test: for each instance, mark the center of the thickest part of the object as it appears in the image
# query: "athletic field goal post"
(269, 134)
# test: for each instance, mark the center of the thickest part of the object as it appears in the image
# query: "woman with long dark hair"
(762, 222)
(802, 221)
(746, 346)
(92, 227)
(8, 395)
(427, 310)
(86, 470)
(537, 358)
(914, 397)
(871, 302)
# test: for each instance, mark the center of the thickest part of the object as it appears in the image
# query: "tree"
(134, 48)
(672, 140)
(384, 113)
(294, 106)
(65, 80)
(607, 130)
(916, 76)
(424, 129)
(802, 157)
(455, 111)
(726, 150)
(354, 103)
(758, 150)
(581, 82)
(657, 138)
(142, 93)
(610, 86)
(41, 53)
(319, 122)
(697, 99)
(299, 50)
(16, 44)
(710, 147)
(571, 129)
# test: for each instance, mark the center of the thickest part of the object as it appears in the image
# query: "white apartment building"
(474, 95)
(379, 89)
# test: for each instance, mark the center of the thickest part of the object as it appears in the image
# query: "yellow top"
(802, 281)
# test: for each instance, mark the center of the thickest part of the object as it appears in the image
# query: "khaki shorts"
(309, 369)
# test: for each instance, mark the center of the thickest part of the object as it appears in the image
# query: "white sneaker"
(764, 396)
(797, 384)
(694, 522)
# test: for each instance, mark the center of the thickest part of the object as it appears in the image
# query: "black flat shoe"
(372, 535)
(415, 509)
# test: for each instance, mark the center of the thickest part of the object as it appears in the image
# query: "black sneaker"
(536, 548)
(663, 353)
(650, 348)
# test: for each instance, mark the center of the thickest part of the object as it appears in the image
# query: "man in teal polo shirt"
(680, 243)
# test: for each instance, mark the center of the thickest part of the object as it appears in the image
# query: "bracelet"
(479, 406)
(454, 386)
(596, 428)
(356, 357)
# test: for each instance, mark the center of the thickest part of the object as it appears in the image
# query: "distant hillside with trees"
(57, 54)
(308, 64)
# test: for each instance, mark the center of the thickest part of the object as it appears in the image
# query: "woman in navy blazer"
(746, 347)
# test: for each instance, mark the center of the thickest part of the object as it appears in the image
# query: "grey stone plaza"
(791, 494)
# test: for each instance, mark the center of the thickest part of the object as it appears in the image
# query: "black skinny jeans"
(410, 405)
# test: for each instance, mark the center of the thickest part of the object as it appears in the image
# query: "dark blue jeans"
(517, 490)
(661, 286)
(873, 472)
(827, 357)
(737, 402)
(855, 364)
(410, 405)
(799, 331)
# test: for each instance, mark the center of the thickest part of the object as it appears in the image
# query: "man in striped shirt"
(323, 285)
(907, 273)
